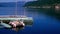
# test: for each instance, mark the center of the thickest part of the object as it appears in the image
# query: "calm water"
(44, 22)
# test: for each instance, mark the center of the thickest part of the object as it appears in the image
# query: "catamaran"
(9, 21)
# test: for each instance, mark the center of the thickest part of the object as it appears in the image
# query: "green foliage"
(42, 2)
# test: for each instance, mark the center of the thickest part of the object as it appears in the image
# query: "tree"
(50, 1)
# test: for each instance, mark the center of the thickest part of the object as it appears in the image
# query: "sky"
(15, 0)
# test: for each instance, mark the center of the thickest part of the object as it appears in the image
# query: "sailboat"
(6, 19)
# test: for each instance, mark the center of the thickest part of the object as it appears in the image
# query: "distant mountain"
(11, 4)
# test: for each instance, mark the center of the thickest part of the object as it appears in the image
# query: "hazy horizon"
(15, 0)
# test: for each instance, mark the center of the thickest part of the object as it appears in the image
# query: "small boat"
(9, 22)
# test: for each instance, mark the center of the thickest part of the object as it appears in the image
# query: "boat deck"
(7, 19)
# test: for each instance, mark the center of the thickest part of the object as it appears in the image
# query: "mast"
(16, 9)
(24, 12)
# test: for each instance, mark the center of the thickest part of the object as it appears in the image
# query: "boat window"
(6, 21)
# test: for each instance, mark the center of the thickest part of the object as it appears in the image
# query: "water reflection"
(17, 29)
